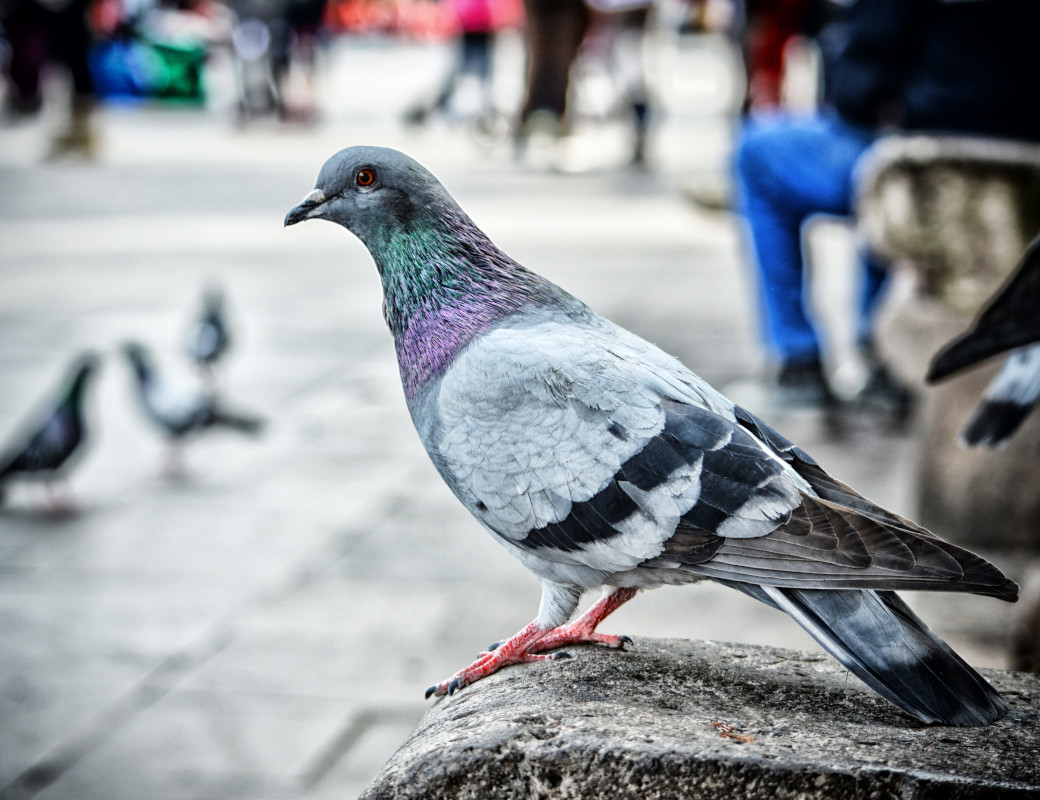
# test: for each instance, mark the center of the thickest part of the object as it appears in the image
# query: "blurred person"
(950, 67)
(40, 32)
(271, 37)
(477, 21)
(768, 27)
(304, 26)
(553, 35)
(618, 28)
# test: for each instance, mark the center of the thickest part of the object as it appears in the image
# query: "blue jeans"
(789, 169)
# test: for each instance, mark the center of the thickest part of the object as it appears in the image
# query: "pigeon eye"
(365, 177)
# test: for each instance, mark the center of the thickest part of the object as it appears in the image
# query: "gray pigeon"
(180, 411)
(208, 337)
(47, 450)
(600, 461)
(1009, 321)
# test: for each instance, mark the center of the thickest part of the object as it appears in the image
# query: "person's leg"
(554, 32)
(27, 36)
(70, 40)
(787, 170)
(881, 391)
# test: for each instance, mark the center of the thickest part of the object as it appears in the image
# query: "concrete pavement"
(265, 625)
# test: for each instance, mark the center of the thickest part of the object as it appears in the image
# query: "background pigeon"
(208, 337)
(1009, 321)
(46, 450)
(598, 460)
(178, 410)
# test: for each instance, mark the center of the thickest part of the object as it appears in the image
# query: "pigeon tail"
(993, 423)
(236, 421)
(1009, 398)
(881, 641)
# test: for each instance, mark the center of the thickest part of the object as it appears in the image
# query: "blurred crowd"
(879, 66)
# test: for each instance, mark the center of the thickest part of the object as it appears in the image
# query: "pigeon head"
(377, 194)
(444, 282)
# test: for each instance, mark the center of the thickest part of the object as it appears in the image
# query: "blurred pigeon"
(1009, 321)
(58, 434)
(208, 338)
(181, 411)
(599, 461)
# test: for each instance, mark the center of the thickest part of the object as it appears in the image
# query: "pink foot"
(534, 639)
(583, 629)
(516, 650)
(575, 633)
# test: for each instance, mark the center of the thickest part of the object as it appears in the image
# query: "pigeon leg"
(515, 650)
(173, 462)
(583, 629)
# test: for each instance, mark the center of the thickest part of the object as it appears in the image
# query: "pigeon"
(56, 436)
(601, 462)
(178, 410)
(208, 337)
(1009, 321)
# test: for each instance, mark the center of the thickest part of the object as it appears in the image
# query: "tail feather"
(1008, 400)
(994, 422)
(881, 641)
(240, 422)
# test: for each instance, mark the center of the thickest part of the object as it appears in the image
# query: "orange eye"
(365, 177)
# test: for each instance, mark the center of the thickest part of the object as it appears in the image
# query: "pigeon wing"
(1011, 319)
(177, 408)
(565, 441)
(585, 449)
(834, 539)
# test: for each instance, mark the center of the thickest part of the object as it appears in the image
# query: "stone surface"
(961, 209)
(954, 215)
(702, 719)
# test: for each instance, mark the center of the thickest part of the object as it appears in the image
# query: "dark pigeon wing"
(837, 539)
(1010, 320)
(826, 546)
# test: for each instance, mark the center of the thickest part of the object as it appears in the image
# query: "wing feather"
(617, 460)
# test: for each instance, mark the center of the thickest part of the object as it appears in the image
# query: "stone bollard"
(694, 719)
(953, 215)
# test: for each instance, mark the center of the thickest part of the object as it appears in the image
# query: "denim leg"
(775, 235)
(787, 170)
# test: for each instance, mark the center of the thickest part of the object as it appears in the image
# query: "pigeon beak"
(307, 208)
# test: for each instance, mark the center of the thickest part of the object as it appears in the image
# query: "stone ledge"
(646, 724)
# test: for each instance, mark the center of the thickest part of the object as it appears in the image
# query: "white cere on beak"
(316, 196)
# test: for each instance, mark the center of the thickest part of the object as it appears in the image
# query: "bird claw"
(448, 687)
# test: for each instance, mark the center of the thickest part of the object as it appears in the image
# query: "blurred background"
(247, 573)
